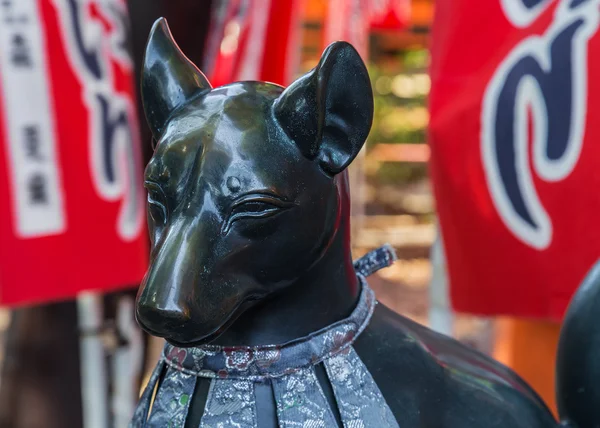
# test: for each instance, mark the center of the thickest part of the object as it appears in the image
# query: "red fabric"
(394, 17)
(254, 40)
(91, 252)
(498, 263)
(229, 37)
(353, 20)
(283, 44)
(349, 20)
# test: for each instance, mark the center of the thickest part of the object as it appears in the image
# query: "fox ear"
(328, 112)
(169, 78)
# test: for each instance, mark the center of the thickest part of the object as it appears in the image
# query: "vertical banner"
(352, 21)
(283, 44)
(390, 15)
(514, 158)
(348, 20)
(254, 40)
(71, 199)
(36, 184)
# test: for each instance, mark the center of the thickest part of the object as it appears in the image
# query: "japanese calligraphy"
(114, 145)
(29, 119)
(545, 76)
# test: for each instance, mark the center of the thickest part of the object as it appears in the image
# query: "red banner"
(70, 192)
(349, 20)
(514, 155)
(254, 40)
(354, 20)
(394, 16)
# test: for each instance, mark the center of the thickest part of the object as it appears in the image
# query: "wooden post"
(529, 348)
(40, 372)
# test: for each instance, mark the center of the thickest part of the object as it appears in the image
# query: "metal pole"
(441, 317)
(127, 364)
(94, 385)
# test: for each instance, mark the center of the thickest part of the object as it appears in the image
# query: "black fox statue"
(268, 320)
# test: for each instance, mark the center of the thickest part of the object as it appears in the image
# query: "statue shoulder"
(432, 380)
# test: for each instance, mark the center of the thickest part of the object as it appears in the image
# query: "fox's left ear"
(169, 78)
(328, 112)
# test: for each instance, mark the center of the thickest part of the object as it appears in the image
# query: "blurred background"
(73, 244)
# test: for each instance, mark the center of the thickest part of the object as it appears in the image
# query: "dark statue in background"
(268, 320)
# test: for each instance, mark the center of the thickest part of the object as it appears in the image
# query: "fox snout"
(167, 302)
(191, 290)
(162, 301)
(164, 309)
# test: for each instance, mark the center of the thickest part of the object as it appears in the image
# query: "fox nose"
(163, 322)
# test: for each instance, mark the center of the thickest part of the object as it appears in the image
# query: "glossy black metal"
(190, 22)
(245, 213)
(249, 217)
(578, 359)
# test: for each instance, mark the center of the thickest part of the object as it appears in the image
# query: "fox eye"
(157, 210)
(255, 207)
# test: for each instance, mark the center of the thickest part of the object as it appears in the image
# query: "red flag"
(352, 20)
(70, 193)
(348, 20)
(513, 151)
(254, 40)
(390, 15)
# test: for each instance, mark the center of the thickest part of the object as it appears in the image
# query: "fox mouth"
(174, 339)
(187, 336)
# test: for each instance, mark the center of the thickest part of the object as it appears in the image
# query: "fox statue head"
(247, 189)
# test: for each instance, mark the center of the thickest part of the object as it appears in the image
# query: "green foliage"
(391, 173)
(417, 59)
(401, 115)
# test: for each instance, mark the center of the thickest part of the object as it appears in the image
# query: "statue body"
(269, 322)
